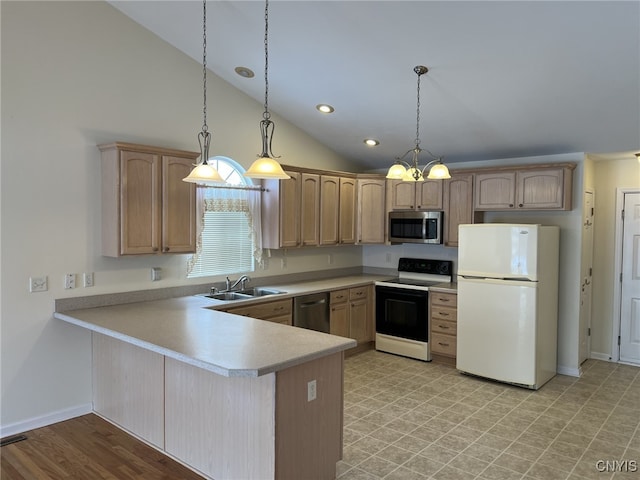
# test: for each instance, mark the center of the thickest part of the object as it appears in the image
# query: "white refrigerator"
(508, 302)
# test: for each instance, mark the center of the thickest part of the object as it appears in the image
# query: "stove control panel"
(422, 265)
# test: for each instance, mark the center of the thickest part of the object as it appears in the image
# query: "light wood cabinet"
(458, 205)
(443, 321)
(329, 209)
(277, 311)
(372, 215)
(339, 312)
(351, 313)
(534, 188)
(310, 210)
(146, 207)
(425, 195)
(347, 227)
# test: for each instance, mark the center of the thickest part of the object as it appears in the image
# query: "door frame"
(617, 258)
(588, 190)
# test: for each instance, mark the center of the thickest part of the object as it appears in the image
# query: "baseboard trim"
(600, 356)
(44, 420)
(570, 371)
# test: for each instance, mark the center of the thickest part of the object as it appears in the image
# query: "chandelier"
(266, 166)
(203, 173)
(411, 171)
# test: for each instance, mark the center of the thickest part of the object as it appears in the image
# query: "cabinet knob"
(155, 249)
(443, 344)
(520, 205)
(443, 299)
(444, 327)
(511, 204)
(444, 314)
(166, 249)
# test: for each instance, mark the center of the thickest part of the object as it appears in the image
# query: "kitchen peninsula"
(230, 396)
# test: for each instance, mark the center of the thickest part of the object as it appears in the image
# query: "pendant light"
(203, 173)
(411, 172)
(266, 166)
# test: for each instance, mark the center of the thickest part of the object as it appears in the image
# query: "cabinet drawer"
(264, 310)
(443, 344)
(442, 326)
(357, 293)
(338, 296)
(283, 319)
(446, 299)
(443, 313)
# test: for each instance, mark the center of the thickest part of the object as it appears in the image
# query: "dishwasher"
(312, 312)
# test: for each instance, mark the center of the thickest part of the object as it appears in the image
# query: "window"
(228, 237)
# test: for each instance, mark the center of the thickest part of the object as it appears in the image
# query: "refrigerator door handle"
(498, 281)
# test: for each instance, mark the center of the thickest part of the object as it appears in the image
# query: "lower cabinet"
(443, 320)
(226, 428)
(278, 311)
(351, 313)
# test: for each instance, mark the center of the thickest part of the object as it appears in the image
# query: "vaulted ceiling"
(506, 79)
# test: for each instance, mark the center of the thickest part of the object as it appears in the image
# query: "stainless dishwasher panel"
(312, 312)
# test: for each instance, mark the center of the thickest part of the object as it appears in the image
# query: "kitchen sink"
(259, 292)
(242, 294)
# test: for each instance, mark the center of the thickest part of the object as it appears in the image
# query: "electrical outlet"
(311, 390)
(38, 284)
(283, 263)
(70, 281)
(88, 279)
(156, 274)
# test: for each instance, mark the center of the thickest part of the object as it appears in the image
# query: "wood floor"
(86, 448)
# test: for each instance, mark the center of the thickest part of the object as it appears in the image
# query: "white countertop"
(190, 329)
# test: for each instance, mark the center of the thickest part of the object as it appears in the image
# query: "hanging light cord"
(419, 72)
(266, 115)
(204, 137)
(204, 65)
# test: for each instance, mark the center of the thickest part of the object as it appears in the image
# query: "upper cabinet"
(425, 195)
(458, 205)
(372, 216)
(309, 209)
(545, 187)
(348, 197)
(146, 207)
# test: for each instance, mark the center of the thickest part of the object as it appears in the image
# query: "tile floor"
(406, 419)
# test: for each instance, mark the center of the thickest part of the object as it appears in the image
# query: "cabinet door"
(429, 195)
(372, 217)
(178, 206)
(310, 209)
(339, 319)
(458, 205)
(289, 205)
(403, 194)
(359, 320)
(347, 214)
(541, 189)
(495, 191)
(140, 207)
(329, 209)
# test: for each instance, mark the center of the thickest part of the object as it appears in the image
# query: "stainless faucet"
(243, 280)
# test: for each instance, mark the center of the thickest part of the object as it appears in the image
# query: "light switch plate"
(38, 284)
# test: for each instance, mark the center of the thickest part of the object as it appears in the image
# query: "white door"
(497, 329)
(630, 302)
(586, 272)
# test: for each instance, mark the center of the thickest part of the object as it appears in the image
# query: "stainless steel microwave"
(415, 227)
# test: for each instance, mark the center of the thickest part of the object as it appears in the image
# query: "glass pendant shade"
(266, 167)
(204, 174)
(439, 172)
(396, 172)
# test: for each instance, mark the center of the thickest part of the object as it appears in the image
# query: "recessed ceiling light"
(325, 108)
(371, 142)
(244, 72)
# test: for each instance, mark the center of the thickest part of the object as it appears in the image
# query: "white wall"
(74, 75)
(570, 240)
(609, 175)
